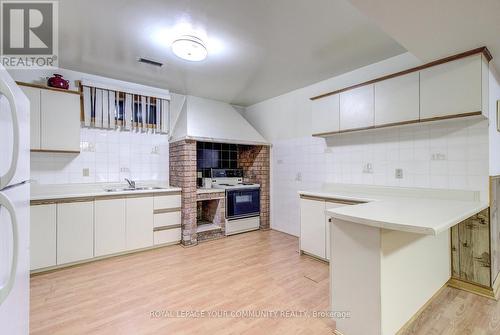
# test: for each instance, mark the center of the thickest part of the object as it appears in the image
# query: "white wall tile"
(340, 159)
(112, 152)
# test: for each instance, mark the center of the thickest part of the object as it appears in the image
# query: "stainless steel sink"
(128, 189)
(148, 188)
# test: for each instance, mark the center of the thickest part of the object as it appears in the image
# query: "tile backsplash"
(215, 156)
(449, 154)
(106, 156)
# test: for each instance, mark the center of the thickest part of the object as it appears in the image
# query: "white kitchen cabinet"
(357, 108)
(312, 227)
(110, 227)
(329, 205)
(453, 88)
(326, 115)
(167, 236)
(60, 121)
(397, 99)
(75, 231)
(315, 226)
(54, 119)
(43, 243)
(139, 220)
(34, 97)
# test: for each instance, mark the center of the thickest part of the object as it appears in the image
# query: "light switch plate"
(399, 173)
(86, 172)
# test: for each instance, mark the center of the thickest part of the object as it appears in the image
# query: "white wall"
(109, 155)
(300, 161)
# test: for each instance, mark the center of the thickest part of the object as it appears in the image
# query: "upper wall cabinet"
(453, 88)
(55, 119)
(397, 100)
(325, 114)
(357, 108)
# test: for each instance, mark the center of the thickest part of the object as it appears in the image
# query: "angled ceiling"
(433, 29)
(258, 48)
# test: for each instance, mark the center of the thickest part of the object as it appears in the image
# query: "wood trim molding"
(438, 118)
(166, 227)
(101, 197)
(167, 210)
(45, 87)
(99, 258)
(483, 50)
(339, 201)
(496, 287)
(60, 201)
(484, 291)
(56, 151)
(312, 256)
(404, 328)
(453, 116)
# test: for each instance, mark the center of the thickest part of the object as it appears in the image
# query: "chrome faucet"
(131, 183)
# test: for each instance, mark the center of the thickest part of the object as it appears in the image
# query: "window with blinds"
(110, 109)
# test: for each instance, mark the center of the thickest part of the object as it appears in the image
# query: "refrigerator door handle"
(5, 289)
(9, 175)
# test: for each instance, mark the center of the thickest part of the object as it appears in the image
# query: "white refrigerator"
(14, 207)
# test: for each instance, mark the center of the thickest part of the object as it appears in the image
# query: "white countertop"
(69, 191)
(422, 211)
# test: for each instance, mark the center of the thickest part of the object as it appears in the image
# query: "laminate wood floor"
(255, 271)
(258, 271)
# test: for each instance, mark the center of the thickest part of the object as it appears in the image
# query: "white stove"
(230, 179)
(232, 183)
(242, 200)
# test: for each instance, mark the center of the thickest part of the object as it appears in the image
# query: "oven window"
(243, 203)
(243, 198)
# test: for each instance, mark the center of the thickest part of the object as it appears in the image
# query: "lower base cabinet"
(75, 231)
(43, 252)
(68, 232)
(315, 226)
(139, 223)
(110, 228)
(167, 236)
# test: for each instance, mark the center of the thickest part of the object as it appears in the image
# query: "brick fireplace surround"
(254, 160)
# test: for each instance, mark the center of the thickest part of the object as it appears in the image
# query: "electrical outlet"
(368, 168)
(87, 146)
(438, 156)
(298, 177)
(399, 173)
(125, 170)
(86, 172)
(155, 150)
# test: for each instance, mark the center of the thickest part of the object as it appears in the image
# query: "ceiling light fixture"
(190, 48)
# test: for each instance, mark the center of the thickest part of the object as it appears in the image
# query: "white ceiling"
(258, 48)
(433, 29)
